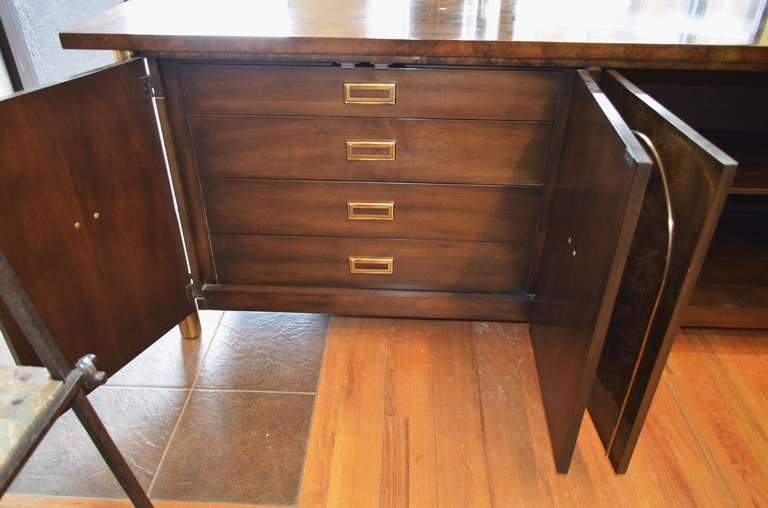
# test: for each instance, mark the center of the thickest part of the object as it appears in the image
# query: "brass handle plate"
(371, 210)
(369, 93)
(371, 265)
(371, 150)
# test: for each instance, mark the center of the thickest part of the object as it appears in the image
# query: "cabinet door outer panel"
(593, 212)
(116, 283)
(635, 352)
(38, 211)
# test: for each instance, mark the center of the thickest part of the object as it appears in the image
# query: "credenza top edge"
(454, 32)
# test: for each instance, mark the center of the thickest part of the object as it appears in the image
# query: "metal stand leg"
(114, 459)
(190, 327)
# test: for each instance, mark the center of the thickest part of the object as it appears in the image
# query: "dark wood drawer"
(425, 211)
(418, 93)
(457, 151)
(416, 264)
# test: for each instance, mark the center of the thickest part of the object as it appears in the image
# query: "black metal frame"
(72, 394)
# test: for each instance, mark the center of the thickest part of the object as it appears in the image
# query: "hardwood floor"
(442, 413)
(438, 413)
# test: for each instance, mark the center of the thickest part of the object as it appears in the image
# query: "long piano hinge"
(193, 291)
(152, 86)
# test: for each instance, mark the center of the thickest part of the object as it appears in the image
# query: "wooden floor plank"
(356, 458)
(730, 424)
(740, 372)
(422, 447)
(585, 483)
(395, 489)
(394, 463)
(516, 478)
(321, 446)
(477, 435)
(669, 466)
(462, 476)
(363, 484)
(720, 438)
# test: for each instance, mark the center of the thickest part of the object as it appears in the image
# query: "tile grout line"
(237, 390)
(151, 387)
(224, 390)
(184, 406)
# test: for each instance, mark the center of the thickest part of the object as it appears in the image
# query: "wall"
(41, 21)
(5, 81)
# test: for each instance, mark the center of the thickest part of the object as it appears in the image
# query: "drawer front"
(414, 93)
(421, 211)
(487, 267)
(491, 152)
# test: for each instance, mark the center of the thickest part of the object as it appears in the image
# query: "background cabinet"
(730, 109)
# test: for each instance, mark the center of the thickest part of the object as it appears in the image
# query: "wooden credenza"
(605, 192)
(436, 176)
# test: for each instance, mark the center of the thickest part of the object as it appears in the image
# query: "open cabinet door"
(663, 266)
(596, 201)
(87, 218)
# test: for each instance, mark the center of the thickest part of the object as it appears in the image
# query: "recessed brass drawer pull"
(371, 210)
(371, 150)
(369, 93)
(370, 265)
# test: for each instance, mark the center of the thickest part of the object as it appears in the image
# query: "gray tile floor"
(223, 418)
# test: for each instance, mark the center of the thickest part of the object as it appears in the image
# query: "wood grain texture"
(747, 147)
(420, 93)
(488, 267)
(725, 418)
(370, 302)
(593, 214)
(732, 289)
(63, 255)
(123, 178)
(68, 155)
(483, 376)
(698, 176)
(360, 29)
(395, 464)
(421, 211)
(717, 316)
(447, 151)
(553, 170)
